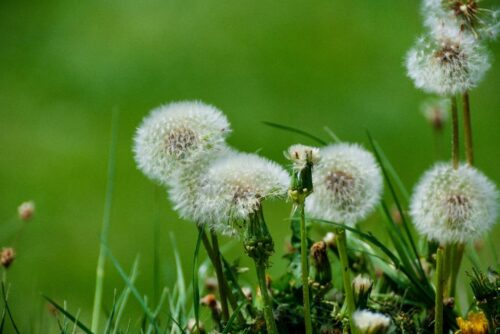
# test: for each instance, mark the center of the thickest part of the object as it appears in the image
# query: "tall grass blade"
(7, 308)
(123, 299)
(69, 316)
(101, 261)
(297, 131)
(232, 318)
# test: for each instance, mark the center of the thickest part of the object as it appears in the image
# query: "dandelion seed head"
(361, 283)
(26, 210)
(368, 322)
(347, 184)
(454, 205)
(300, 154)
(233, 187)
(175, 135)
(436, 112)
(7, 256)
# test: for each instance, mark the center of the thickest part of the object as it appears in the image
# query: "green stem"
(305, 270)
(467, 129)
(220, 277)
(438, 322)
(101, 261)
(268, 308)
(455, 148)
(344, 261)
(457, 255)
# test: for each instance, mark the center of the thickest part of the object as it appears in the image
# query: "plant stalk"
(456, 261)
(438, 313)
(469, 151)
(268, 308)
(455, 148)
(305, 269)
(344, 261)
(220, 277)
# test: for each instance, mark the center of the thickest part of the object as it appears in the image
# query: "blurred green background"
(65, 65)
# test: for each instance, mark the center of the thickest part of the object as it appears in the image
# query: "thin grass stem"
(305, 269)
(344, 261)
(438, 320)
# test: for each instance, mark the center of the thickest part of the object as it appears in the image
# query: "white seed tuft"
(233, 187)
(454, 205)
(300, 154)
(368, 322)
(176, 135)
(347, 184)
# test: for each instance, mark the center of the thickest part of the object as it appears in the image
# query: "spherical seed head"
(454, 205)
(174, 135)
(233, 188)
(347, 184)
(300, 155)
(451, 63)
(26, 210)
(370, 322)
(436, 112)
(7, 256)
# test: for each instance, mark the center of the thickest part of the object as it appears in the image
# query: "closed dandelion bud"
(7, 256)
(233, 188)
(176, 135)
(213, 304)
(330, 240)
(347, 184)
(454, 205)
(476, 323)
(449, 64)
(303, 159)
(361, 287)
(370, 322)
(321, 270)
(436, 113)
(26, 210)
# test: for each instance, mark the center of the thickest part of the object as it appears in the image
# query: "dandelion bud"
(454, 205)
(247, 292)
(321, 270)
(476, 323)
(371, 323)
(362, 287)
(451, 63)
(233, 188)
(213, 304)
(347, 184)
(436, 113)
(211, 284)
(7, 257)
(303, 159)
(330, 240)
(26, 210)
(174, 135)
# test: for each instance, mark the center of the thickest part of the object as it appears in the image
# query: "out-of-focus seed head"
(26, 210)
(7, 257)
(368, 322)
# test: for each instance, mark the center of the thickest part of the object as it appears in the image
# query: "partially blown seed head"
(177, 134)
(300, 155)
(370, 322)
(233, 188)
(347, 184)
(454, 205)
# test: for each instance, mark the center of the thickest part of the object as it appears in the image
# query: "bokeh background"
(65, 65)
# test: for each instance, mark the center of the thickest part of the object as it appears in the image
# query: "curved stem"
(467, 129)
(268, 308)
(455, 148)
(344, 261)
(438, 322)
(305, 270)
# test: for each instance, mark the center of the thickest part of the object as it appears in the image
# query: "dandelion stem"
(438, 320)
(305, 269)
(455, 150)
(101, 261)
(268, 308)
(344, 261)
(220, 277)
(456, 260)
(469, 151)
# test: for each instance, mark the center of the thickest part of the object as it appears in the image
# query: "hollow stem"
(305, 269)
(268, 308)
(344, 261)
(220, 277)
(456, 261)
(438, 322)
(469, 152)
(455, 148)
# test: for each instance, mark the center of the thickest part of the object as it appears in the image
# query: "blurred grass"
(64, 65)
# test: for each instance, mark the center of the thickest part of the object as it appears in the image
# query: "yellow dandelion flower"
(476, 323)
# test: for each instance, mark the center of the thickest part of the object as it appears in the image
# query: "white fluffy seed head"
(233, 187)
(300, 154)
(436, 112)
(450, 63)
(368, 322)
(454, 205)
(178, 134)
(347, 184)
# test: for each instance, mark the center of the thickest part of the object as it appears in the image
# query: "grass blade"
(7, 309)
(123, 299)
(232, 318)
(297, 131)
(68, 315)
(196, 287)
(101, 261)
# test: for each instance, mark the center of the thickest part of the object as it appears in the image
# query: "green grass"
(65, 65)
